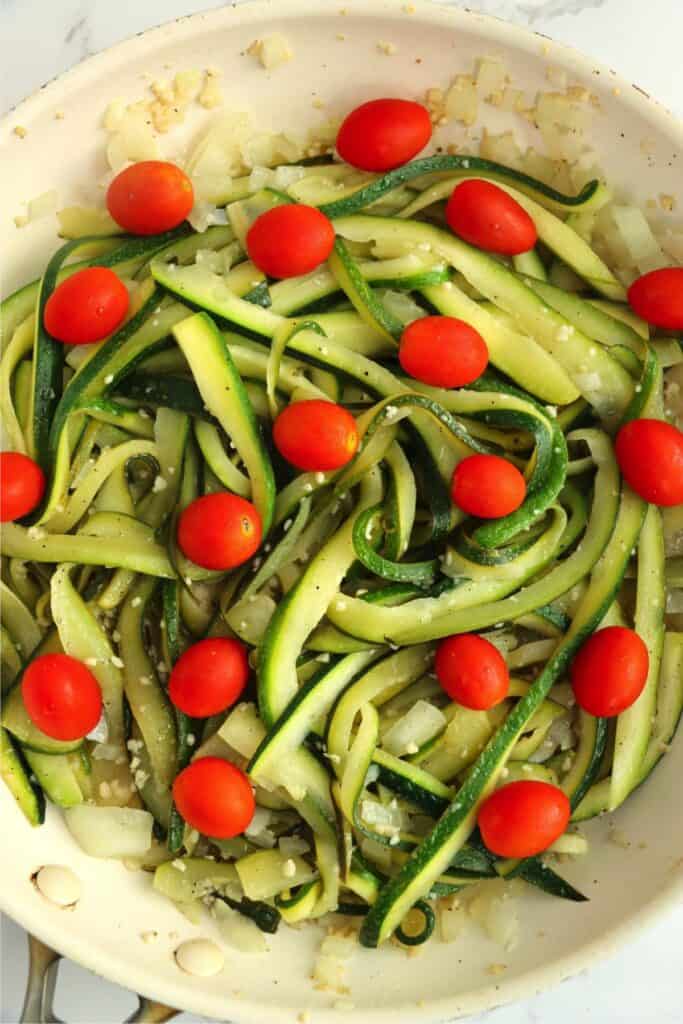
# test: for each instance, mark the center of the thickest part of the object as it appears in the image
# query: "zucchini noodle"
(368, 777)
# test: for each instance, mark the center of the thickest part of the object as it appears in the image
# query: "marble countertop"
(41, 38)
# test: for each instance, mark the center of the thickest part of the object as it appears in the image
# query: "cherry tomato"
(650, 457)
(22, 485)
(316, 435)
(209, 677)
(610, 671)
(383, 134)
(523, 818)
(487, 486)
(658, 298)
(486, 216)
(62, 697)
(219, 531)
(472, 671)
(86, 307)
(214, 797)
(290, 240)
(150, 197)
(443, 351)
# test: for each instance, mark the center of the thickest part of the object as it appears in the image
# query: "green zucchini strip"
(591, 195)
(599, 378)
(511, 351)
(224, 395)
(634, 726)
(467, 608)
(556, 234)
(370, 308)
(432, 857)
(18, 347)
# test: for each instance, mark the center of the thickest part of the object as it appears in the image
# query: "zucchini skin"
(469, 166)
(48, 354)
(437, 850)
(17, 777)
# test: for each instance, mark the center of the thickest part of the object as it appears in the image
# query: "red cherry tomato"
(523, 818)
(86, 307)
(209, 677)
(219, 531)
(315, 435)
(150, 197)
(610, 671)
(290, 240)
(487, 486)
(650, 457)
(486, 216)
(472, 671)
(658, 298)
(214, 797)
(383, 134)
(443, 352)
(62, 697)
(22, 485)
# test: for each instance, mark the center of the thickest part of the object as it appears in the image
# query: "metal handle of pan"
(40, 990)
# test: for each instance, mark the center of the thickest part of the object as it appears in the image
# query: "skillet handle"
(40, 989)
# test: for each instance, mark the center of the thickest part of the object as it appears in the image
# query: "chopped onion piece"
(386, 819)
(204, 215)
(414, 729)
(462, 101)
(495, 911)
(491, 77)
(243, 730)
(402, 306)
(110, 831)
(100, 732)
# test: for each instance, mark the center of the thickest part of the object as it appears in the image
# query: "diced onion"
(414, 729)
(495, 911)
(135, 139)
(204, 215)
(402, 306)
(491, 77)
(272, 51)
(462, 101)
(243, 730)
(385, 818)
(110, 831)
(257, 830)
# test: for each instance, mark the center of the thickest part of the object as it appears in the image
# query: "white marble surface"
(40, 38)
